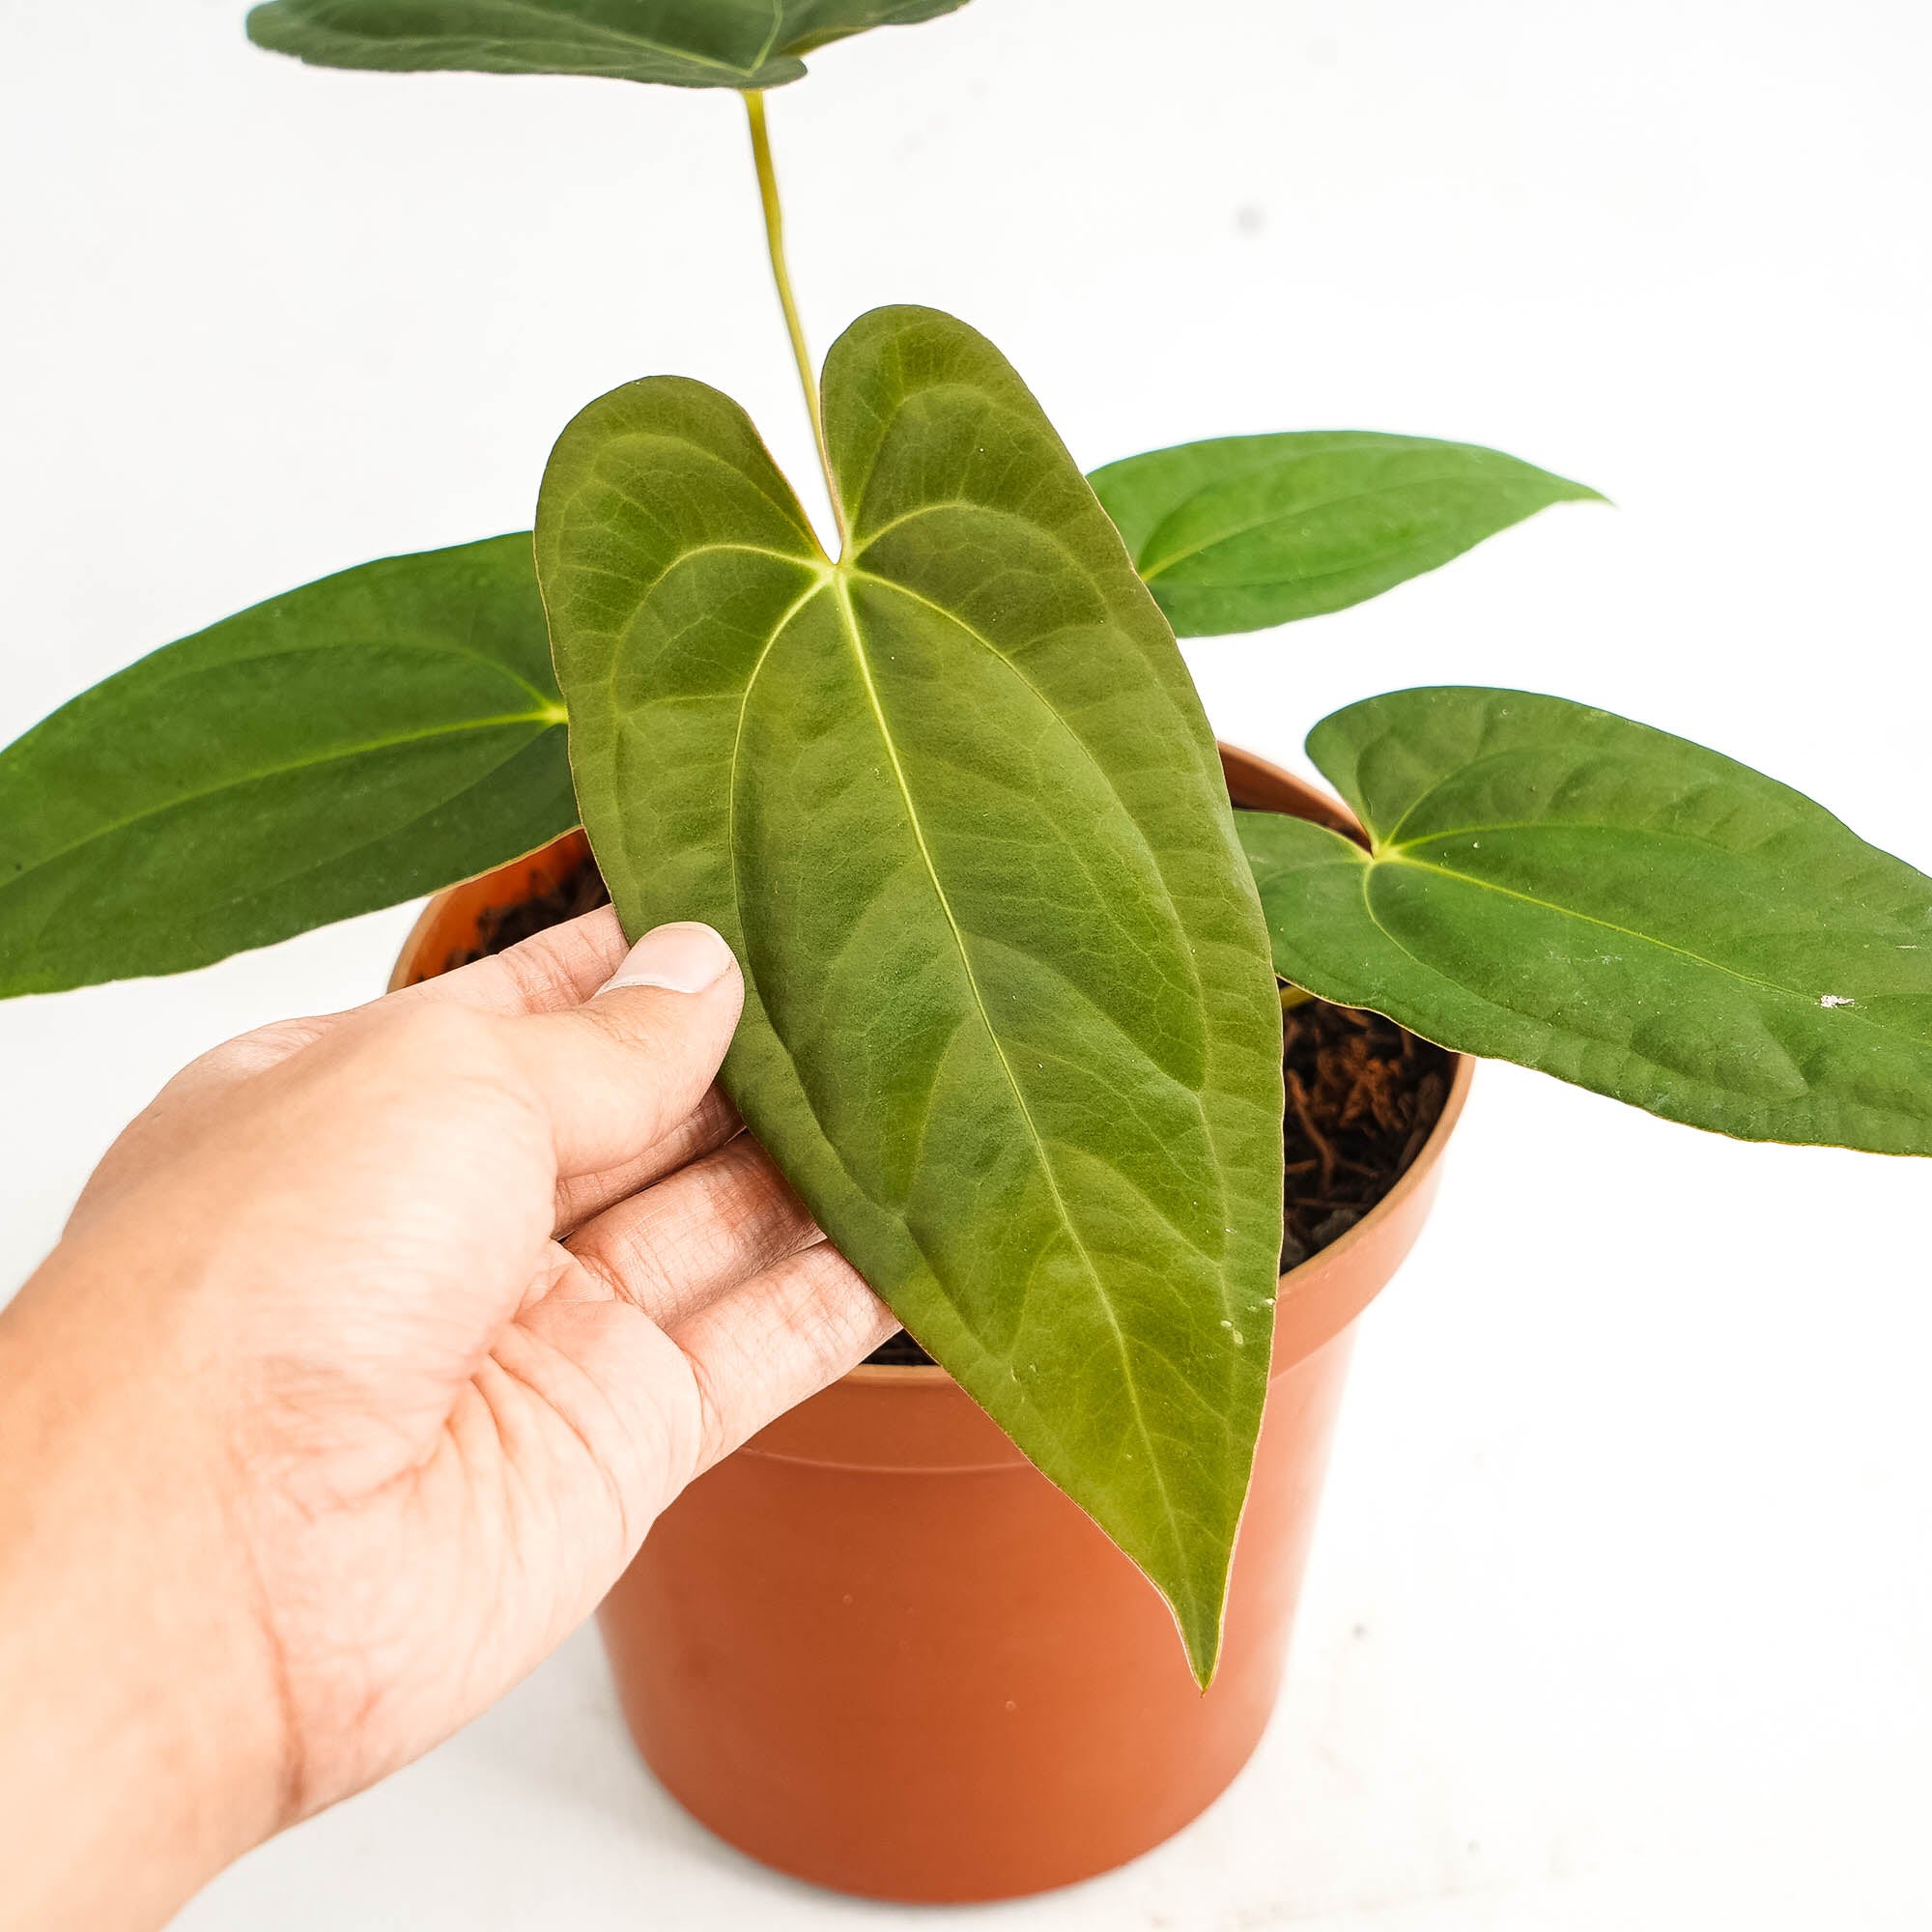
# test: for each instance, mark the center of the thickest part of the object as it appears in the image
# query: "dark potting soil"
(1362, 1096)
(504, 926)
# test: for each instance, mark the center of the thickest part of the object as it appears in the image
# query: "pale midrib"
(1661, 832)
(312, 865)
(1483, 758)
(1087, 751)
(1667, 1073)
(1198, 1097)
(1853, 1012)
(483, 660)
(844, 592)
(1019, 670)
(1149, 571)
(550, 715)
(280, 654)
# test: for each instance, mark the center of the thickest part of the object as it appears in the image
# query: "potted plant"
(1025, 1001)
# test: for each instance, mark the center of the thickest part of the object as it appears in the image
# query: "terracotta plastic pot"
(877, 1650)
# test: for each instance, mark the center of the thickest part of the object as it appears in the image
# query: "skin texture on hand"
(368, 1358)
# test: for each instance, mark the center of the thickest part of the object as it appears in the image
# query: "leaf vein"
(550, 717)
(1129, 1381)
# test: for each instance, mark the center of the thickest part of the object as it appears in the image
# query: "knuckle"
(438, 1033)
(422, 1054)
(632, 1265)
(713, 1432)
(596, 1263)
(752, 1200)
(251, 1052)
(550, 969)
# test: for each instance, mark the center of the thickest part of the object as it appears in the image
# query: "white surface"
(1619, 1613)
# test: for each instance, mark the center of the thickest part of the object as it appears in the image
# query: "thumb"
(617, 1073)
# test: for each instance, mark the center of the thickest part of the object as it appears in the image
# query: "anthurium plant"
(1012, 1023)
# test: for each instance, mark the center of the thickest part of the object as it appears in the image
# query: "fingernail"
(683, 958)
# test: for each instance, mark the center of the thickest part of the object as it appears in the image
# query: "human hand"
(369, 1355)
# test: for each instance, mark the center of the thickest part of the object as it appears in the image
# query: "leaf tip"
(259, 27)
(1202, 1639)
(1570, 491)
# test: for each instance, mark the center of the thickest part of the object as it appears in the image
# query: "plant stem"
(768, 195)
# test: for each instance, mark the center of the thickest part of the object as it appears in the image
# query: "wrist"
(144, 1748)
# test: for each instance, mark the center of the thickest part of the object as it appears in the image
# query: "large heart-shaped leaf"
(1010, 1024)
(1557, 886)
(681, 42)
(338, 749)
(1243, 531)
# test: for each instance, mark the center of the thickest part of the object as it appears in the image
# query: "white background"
(1621, 1611)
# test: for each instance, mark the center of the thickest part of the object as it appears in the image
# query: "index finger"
(549, 972)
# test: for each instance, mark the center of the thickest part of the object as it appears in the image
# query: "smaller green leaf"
(741, 43)
(1244, 532)
(354, 743)
(1560, 887)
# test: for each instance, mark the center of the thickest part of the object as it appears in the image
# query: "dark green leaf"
(1244, 532)
(681, 42)
(1560, 887)
(1010, 1024)
(352, 744)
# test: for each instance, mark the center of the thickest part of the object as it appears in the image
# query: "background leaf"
(1009, 1025)
(1558, 886)
(681, 42)
(354, 743)
(1243, 531)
